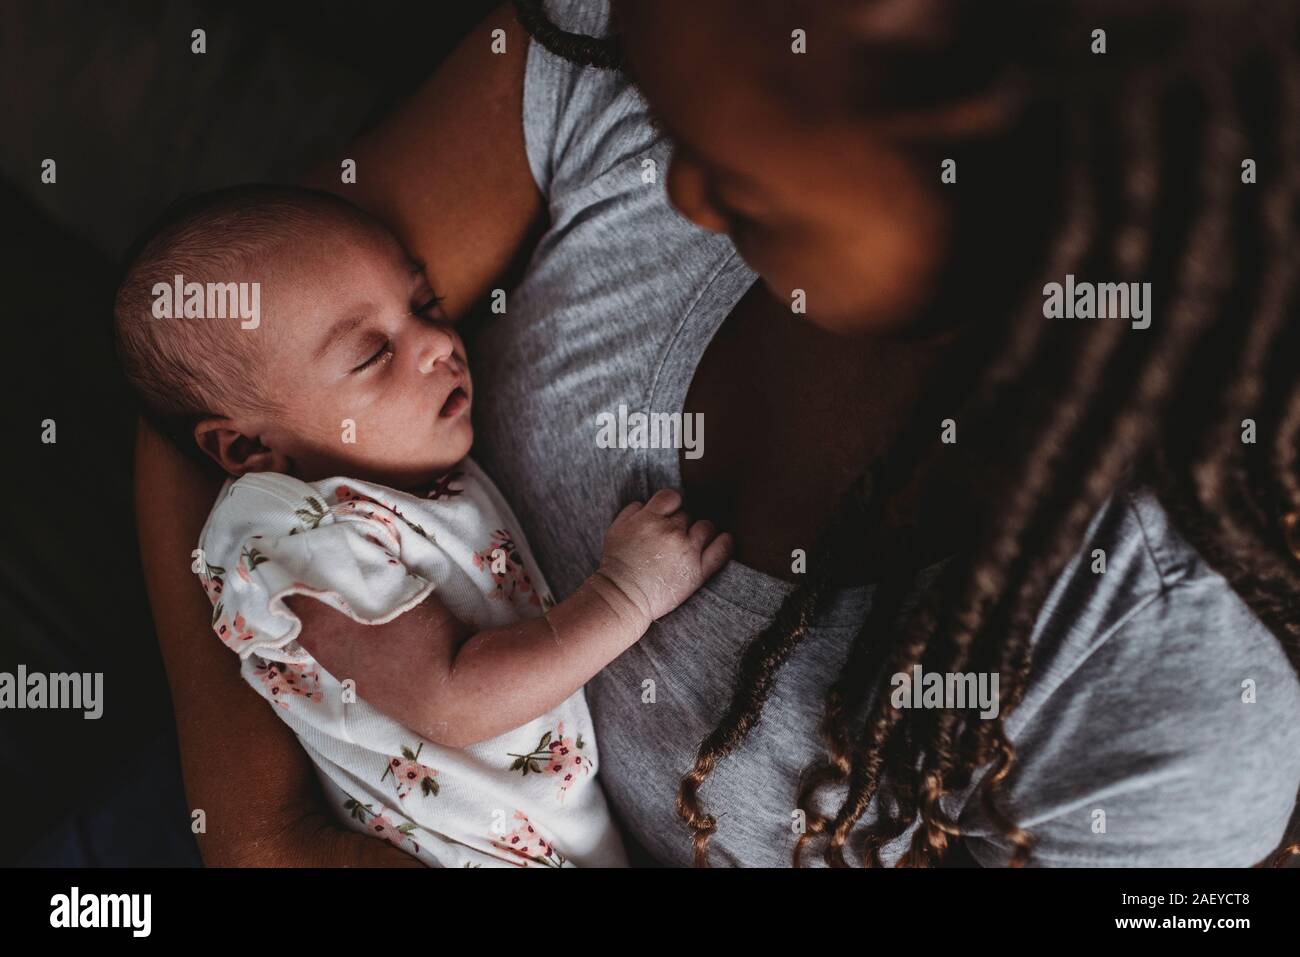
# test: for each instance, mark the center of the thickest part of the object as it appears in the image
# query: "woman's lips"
(456, 403)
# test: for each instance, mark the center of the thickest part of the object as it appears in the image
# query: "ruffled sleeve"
(271, 536)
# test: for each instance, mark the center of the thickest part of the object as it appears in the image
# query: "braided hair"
(1147, 188)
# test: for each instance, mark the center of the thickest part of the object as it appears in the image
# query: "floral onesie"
(526, 798)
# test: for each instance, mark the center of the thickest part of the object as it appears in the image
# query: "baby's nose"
(438, 347)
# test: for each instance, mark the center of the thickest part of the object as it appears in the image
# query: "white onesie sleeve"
(527, 797)
(270, 536)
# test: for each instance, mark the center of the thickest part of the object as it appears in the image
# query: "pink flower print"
(346, 493)
(302, 679)
(379, 824)
(284, 680)
(389, 525)
(368, 513)
(504, 562)
(565, 761)
(410, 775)
(555, 755)
(383, 828)
(273, 681)
(525, 842)
(232, 634)
(213, 587)
(349, 498)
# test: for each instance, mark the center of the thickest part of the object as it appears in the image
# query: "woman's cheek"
(889, 265)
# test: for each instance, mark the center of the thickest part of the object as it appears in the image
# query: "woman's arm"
(450, 172)
(242, 765)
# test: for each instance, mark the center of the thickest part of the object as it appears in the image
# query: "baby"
(373, 581)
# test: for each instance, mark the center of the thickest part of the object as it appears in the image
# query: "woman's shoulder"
(1134, 563)
(1139, 596)
(1159, 699)
(590, 17)
(579, 121)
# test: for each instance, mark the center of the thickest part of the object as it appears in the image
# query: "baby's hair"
(184, 370)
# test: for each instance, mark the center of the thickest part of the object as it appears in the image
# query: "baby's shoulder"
(463, 494)
(271, 504)
(262, 503)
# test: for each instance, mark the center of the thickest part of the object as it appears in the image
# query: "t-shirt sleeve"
(272, 536)
(1175, 742)
(578, 121)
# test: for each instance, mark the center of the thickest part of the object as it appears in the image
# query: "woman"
(1148, 692)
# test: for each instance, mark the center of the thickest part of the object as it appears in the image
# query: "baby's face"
(372, 380)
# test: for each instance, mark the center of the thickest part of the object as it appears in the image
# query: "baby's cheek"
(316, 418)
(383, 440)
(453, 444)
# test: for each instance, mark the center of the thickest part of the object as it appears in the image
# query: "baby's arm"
(455, 687)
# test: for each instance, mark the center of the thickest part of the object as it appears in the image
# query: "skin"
(470, 211)
(788, 186)
(789, 189)
(432, 673)
(351, 321)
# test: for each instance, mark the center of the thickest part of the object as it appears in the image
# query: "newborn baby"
(373, 581)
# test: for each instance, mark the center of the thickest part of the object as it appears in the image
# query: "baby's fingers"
(664, 502)
(701, 533)
(716, 555)
(631, 508)
(678, 522)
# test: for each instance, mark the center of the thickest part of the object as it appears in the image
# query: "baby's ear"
(237, 453)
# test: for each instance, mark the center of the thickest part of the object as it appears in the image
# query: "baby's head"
(303, 340)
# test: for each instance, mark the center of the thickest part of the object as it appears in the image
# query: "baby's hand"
(657, 558)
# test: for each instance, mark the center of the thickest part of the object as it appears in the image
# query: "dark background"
(133, 119)
(111, 92)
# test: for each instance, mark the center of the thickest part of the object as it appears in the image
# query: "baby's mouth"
(456, 403)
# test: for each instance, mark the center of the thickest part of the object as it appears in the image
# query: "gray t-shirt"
(1140, 706)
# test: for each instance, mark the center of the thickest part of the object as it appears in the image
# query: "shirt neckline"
(737, 584)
